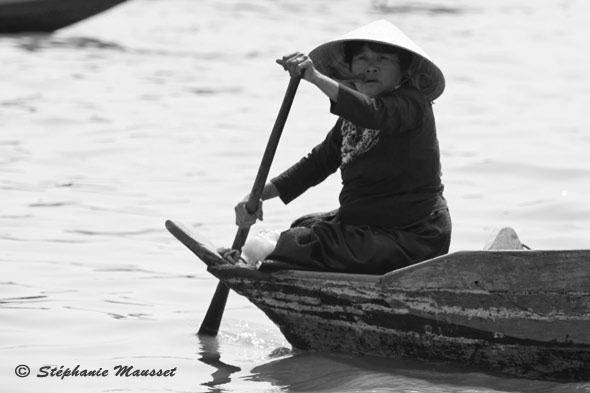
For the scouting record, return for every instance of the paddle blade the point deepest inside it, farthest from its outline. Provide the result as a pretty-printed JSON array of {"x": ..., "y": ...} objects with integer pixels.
[{"x": 212, "y": 320}]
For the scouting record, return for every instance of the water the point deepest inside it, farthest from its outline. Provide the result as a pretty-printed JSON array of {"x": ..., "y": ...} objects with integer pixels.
[{"x": 161, "y": 109}]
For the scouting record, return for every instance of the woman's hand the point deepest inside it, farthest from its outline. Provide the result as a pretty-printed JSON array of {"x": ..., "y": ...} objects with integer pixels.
[
  {"x": 299, "y": 64},
  {"x": 243, "y": 217}
]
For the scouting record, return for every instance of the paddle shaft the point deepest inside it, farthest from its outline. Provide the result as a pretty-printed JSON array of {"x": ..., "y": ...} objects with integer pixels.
[{"x": 210, "y": 325}]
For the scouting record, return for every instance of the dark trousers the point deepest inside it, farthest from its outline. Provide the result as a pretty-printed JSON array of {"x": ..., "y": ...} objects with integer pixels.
[{"x": 322, "y": 242}]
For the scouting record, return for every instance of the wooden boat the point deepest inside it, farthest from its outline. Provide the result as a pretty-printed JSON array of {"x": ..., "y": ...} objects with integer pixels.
[
  {"x": 17, "y": 16},
  {"x": 519, "y": 312}
]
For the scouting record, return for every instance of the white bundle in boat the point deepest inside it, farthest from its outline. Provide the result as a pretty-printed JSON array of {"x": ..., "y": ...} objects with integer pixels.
[{"x": 259, "y": 246}]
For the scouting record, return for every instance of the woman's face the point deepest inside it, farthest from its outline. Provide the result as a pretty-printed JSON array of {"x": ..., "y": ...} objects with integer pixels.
[{"x": 380, "y": 70}]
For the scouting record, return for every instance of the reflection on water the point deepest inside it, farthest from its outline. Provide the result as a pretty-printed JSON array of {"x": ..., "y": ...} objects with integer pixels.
[
  {"x": 405, "y": 7},
  {"x": 307, "y": 372},
  {"x": 210, "y": 355},
  {"x": 37, "y": 42},
  {"x": 23, "y": 302}
]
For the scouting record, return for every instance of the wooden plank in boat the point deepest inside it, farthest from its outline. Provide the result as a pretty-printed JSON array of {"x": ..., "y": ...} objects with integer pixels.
[
  {"x": 509, "y": 271},
  {"x": 199, "y": 245}
]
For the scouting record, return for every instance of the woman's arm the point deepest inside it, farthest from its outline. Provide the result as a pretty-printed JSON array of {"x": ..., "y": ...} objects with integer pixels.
[
  {"x": 323, "y": 160},
  {"x": 297, "y": 64},
  {"x": 398, "y": 111}
]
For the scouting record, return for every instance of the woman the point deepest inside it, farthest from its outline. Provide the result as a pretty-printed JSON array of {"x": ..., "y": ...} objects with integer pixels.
[{"x": 392, "y": 211}]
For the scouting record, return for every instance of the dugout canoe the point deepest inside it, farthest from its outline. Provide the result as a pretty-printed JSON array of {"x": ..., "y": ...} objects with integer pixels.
[
  {"x": 518, "y": 312},
  {"x": 19, "y": 16}
]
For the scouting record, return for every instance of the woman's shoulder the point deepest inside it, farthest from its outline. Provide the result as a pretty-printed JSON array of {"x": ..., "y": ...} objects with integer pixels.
[
  {"x": 407, "y": 91},
  {"x": 409, "y": 95}
]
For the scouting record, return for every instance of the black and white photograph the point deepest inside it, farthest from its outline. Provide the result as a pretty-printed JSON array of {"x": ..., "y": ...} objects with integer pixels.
[{"x": 276, "y": 196}]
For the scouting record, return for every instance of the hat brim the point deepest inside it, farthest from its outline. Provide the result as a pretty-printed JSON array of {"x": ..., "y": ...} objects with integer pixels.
[{"x": 329, "y": 57}]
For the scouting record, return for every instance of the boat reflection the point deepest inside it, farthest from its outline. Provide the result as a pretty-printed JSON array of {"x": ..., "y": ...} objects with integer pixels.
[{"x": 323, "y": 372}]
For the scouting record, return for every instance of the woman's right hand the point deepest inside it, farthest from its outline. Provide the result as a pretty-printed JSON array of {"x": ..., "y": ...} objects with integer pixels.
[
  {"x": 298, "y": 64},
  {"x": 245, "y": 218}
]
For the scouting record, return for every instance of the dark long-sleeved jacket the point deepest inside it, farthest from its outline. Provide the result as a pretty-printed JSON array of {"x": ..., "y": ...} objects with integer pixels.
[{"x": 388, "y": 154}]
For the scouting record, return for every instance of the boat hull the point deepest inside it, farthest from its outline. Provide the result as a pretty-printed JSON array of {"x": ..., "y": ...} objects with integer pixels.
[
  {"x": 538, "y": 334},
  {"x": 17, "y": 16}
]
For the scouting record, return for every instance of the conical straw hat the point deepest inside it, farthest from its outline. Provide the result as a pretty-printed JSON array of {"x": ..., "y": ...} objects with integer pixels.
[{"x": 328, "y": 58}]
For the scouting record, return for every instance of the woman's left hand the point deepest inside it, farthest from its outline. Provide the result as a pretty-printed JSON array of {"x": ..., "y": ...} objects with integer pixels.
[
  {"x": 243, "y": 217},
  {"x": 298, "y": 64}
]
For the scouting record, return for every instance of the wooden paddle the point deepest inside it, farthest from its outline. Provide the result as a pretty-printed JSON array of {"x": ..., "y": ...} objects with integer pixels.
[{"x": 210, "y": 325}]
